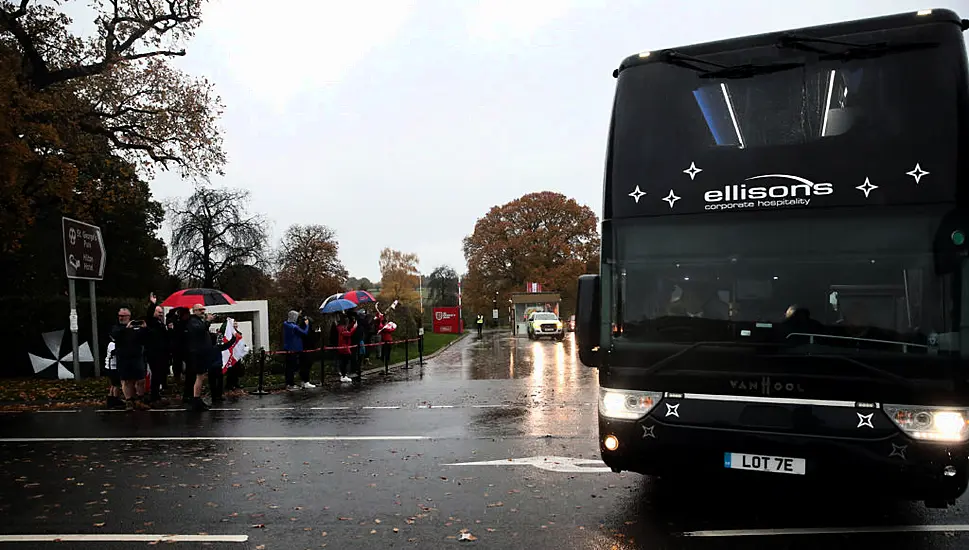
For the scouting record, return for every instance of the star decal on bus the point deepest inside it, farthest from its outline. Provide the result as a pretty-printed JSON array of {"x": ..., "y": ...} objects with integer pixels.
[
  {"x": 637, "y": 194},
  {"x": 671, "y": 198},
  {"x": 917, "y": 173},
  {"x": 898, "y": 450},
  {"x": 865, "y": 420},
  {"x": 867, "y": 187},
  {"x": 673, "y": 410},
  {"x": 648, "y": 432},
  {"x": 692, "y": 171}
]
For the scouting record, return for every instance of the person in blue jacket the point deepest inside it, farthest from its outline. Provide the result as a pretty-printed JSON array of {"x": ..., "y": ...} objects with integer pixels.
[{"x": 293, "y": 334}]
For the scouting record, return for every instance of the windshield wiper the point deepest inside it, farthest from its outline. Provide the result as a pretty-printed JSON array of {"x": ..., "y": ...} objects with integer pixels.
[
  {"x": 811, "y": 336},
  {"x": 744, "y": 70},
  {"x": 850, "y": 50}
]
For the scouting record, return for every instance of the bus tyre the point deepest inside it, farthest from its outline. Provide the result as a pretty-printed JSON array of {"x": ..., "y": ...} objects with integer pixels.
[{"x": 939, "y": 502}]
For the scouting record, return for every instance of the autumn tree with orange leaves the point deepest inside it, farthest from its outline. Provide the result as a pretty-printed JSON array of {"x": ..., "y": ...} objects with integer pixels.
[
  {"x": 126, "y": 89},
  {"x": 84, "y": 121},
  {"x": 541, "y": 237},
  {"x": 309, "y": 266},
  {"x": 399, "y": 276}
]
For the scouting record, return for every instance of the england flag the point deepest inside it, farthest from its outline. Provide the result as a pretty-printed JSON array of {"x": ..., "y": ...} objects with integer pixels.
[{"x": 236, "y": 351}]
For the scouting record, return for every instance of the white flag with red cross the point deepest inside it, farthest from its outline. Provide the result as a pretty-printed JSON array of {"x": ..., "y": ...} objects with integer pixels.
[{"x": 237, "y": 350}]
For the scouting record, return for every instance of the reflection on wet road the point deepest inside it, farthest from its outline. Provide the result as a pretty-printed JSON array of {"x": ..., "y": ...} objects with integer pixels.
[{"x": 492, "y": 443}]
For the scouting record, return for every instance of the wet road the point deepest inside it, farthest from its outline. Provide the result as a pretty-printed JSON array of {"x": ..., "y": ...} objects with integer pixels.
[{"x": 491, "y": 444}]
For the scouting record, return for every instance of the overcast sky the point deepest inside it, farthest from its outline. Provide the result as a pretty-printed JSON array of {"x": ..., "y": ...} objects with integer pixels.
[{"x": 399, "y": 123}]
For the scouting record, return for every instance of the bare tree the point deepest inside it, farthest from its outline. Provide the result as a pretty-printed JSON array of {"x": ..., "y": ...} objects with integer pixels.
[
  {"x": 442, "y": 286},
  {"x": 212, "y": 232}
]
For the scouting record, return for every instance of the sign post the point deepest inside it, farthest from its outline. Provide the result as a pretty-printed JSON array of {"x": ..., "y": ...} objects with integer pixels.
[
  {"x": 83, "y": 259},
  {"x": 94, "y": 331},
  {"x": 460, "y": 310}
]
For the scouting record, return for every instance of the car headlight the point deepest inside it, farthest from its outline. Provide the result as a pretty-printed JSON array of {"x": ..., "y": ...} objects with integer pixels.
[
  {"x": 536, "y": 326},
  {"x": 627, "y": 404},
  {"x": 558, "y": 325},
  {"x": 931, "y": 423}
]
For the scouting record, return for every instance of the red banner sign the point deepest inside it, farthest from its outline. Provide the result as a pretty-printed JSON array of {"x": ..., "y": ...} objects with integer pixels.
[{"x": 447, "y": 320}]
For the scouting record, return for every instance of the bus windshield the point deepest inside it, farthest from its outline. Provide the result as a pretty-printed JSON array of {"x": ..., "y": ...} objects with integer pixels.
[{"x": 868, "y": 282}]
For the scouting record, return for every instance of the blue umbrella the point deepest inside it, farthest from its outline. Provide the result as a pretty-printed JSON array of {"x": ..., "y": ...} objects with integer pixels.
[{"x": 335, "y": 306}]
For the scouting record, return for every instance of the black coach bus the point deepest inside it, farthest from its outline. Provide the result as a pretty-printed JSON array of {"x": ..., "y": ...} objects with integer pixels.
[{"x": 783, "y": 285}]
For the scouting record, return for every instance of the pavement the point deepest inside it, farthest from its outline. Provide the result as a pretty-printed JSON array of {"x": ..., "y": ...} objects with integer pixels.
[{"x": 491, "y": 444}]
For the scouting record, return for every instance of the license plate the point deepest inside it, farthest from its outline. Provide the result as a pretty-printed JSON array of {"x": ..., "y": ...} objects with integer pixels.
[
  {"x": 764, "y": 463},
  {"x": 549, "y": 329}
]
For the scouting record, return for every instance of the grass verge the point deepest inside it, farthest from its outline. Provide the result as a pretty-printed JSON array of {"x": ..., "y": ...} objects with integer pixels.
[{"x": 39, "y": 393}]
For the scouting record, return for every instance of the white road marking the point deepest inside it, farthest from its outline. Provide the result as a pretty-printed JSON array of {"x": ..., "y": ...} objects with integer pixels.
[
  {"x": 60, "y": 411},
  {"x": 274, "y": 409},
  {"x": 329, "y": 408},
  {"x": 550, "y": 463},
  {"x": 218, "y": 409},
  {"x": 216, "y": 438},
  {"x": 829, "y": 531},
  {"x": 99, "y": 537},
  {"x": 383, "y": 408}
]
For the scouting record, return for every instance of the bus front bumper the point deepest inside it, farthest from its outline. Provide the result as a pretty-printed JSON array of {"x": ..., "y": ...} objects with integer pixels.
[{"x": 896, "y": 465}]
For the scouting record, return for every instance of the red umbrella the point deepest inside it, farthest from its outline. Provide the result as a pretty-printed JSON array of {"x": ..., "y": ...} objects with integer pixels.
[
  {"x": 191, "y": 296},
  {"x": 358, "y": 297}
]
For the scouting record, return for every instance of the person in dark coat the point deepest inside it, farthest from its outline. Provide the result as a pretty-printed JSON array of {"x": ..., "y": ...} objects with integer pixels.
[
  {"x": 295, "y": 330},
  {"x": 203, "y": 353},
  {"x": 129, "y": 339},
  {"x": 157, "y": 348},
  {"x": 176, "y": 348}
]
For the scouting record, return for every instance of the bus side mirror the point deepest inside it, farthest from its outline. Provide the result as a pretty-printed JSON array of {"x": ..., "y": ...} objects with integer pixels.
[{"x": 588, "y": 313}]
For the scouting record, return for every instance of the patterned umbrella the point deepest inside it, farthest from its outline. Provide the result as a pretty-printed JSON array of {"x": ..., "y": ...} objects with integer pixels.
[
  {"x": 359, "y": 297},
  {"x": 330, "y": 299},
  {"x": 336, "y": 306},
  {"x": 191, "y": 296}
]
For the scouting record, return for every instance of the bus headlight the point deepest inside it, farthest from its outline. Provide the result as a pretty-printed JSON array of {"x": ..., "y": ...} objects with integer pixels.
[
  {"x": 627, "y": 404},
  {"x": 931, "y": 423}
]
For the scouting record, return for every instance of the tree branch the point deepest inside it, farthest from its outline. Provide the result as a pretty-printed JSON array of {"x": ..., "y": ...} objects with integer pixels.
[{"x": 10, "y": 22}]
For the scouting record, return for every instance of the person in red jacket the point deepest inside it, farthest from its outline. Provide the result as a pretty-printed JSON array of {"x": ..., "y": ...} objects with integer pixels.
[
  {"x": 385, "y": 329},
  {"x": 344, "y": 337}
]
